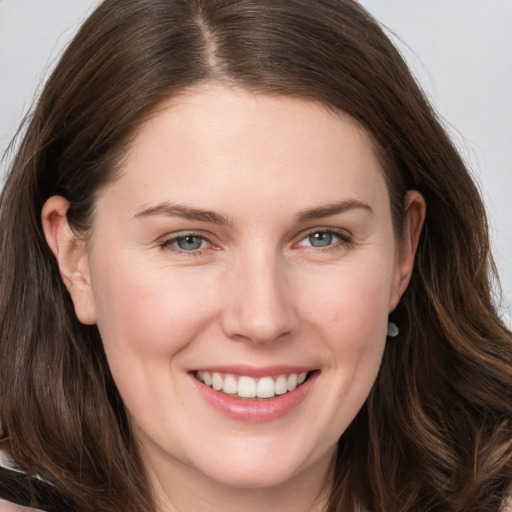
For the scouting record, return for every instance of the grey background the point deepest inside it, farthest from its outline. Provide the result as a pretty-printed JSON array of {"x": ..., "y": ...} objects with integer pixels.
[{"x": 460, "y": 50}]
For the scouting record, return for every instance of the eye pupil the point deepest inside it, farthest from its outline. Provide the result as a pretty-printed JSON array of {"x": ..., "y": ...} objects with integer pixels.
[
  {"x": 320, "y": 239},
  {"x": 189, "y": 243}
]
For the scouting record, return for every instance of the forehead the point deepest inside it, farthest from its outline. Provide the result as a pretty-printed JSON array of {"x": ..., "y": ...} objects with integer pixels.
[{"x": 216, "y": 145}]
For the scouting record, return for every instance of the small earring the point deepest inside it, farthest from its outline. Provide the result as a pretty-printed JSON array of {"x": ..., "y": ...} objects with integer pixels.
[{"x": 393, "y": 330}]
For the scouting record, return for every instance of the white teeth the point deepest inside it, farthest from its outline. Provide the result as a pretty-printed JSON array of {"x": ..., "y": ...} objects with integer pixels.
[
  {"x": 291, "y": 383},
  {"x": 280, "y": 386},
  {"x": 247, "y": 387},
  {"x": 265, "y": 388},
  {"x": 230, "y": 385},
  {"x": 217, "y": 381}
]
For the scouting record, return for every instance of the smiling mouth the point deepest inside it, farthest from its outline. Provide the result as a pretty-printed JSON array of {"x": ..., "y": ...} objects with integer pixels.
[{"x": 243, "y": 386}]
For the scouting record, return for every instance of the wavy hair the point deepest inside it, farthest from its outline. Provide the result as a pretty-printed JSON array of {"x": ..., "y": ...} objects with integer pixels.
[{"x": 436, "y": 431}]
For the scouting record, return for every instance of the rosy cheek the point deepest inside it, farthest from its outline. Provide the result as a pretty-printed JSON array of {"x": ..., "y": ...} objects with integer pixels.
[
  {"x": 349, "y": 294},
  {"x": 155, "y": 312}
]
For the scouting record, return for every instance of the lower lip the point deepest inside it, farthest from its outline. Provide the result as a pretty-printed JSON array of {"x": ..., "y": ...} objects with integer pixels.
[{"x": 256, "y": 411}]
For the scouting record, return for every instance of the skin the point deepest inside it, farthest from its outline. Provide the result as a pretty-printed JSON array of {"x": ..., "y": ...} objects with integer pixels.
[
  {"x": 10, "y": 507},
  {"x": 257, "y": 292}
]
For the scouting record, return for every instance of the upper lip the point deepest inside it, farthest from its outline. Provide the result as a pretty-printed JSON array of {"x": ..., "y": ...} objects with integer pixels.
[{"x": 253, "y": 371}]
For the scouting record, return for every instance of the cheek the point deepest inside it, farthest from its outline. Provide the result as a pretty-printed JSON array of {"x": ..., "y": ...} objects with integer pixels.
[
  {"x": 152, "y": 312},
  {"x": 355, "y": 299},
  {"x": 348, "y": 310},
  {"x": 146, "y": 318}
]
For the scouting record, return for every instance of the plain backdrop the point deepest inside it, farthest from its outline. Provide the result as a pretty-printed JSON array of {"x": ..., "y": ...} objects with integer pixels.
[{"x": 460, "y": 51}]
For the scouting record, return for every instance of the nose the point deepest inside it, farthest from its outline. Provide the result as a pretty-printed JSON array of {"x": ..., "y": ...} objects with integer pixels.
[{"x": 259, "y": 308}]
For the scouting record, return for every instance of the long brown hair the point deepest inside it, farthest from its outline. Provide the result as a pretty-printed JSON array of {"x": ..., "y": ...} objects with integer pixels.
[{"x": 435, "y": 433}]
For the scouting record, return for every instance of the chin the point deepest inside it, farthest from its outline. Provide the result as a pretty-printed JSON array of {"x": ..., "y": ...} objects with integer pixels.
[
  {"x": 263, "y": 468},
  {"x": 252, "y": 478}
]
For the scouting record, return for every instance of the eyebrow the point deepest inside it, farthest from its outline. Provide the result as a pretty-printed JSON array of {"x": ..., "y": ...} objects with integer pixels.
[
  {"x": 332, "y": 209},
  {"x": 184, "y": 212}
]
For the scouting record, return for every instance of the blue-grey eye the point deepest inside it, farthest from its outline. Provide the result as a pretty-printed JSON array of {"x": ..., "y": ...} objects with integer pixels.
[
  {"x": 189, "y": 242},
  {"x": 321, "y": 239}
]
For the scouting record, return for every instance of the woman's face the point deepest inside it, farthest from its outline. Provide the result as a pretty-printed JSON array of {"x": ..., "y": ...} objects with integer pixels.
[{"x": 248, "y": 241}]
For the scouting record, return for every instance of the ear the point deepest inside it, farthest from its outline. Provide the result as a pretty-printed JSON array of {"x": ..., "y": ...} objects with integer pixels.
[
  {"x": 415, "y": 209},
  {"x": 71, "y": 254}
]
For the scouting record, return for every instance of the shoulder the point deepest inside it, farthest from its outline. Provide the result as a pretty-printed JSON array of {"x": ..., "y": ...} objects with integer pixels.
[{"x": 7, "y": 506}]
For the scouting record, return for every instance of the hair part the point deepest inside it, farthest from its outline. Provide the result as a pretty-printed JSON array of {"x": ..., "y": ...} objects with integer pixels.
[{"x": 434, "y": 433}]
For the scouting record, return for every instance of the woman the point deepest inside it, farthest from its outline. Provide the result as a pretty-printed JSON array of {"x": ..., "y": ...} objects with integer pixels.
[{"x": 258, "y": 275}]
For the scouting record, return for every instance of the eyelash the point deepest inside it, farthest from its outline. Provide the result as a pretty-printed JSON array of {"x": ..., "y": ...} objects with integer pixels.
[
  {"x": 345, "y": 240},
  {"x": 168, "y": 244}
]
